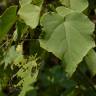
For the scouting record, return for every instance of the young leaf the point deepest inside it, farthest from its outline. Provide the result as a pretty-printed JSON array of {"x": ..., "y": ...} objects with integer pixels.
[
  {"x": 30, "y": 14},
  {"x": 91, "y": 61},
  {"x": 68, "y": 38},
  {"x": 77, "y": 5},
  {"x": 7, "y": 19}
]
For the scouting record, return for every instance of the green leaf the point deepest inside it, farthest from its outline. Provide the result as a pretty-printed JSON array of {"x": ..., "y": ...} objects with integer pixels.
[
  {"x": 7, "y": 19},
  {"x": 77, "y": 5},
  {"x": 91, "y": 61},
  {"x": 24, "y": 2},
  {"x": 65, "y": 2},
  {"x": 30, "y": 14},
  {"x": 21, "y": 29},
  {"x": 68, "y": 38},
  {"x": 37, "y": 2},
  {"x": 63, "y": 11}
]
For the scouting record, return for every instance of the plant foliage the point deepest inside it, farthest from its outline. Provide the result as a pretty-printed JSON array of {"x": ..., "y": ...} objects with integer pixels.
[{"x": 47, "y": 48}]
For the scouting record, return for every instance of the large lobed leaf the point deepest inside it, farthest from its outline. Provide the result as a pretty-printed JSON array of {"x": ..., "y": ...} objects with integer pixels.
[{"x": 69, "y": 37}]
